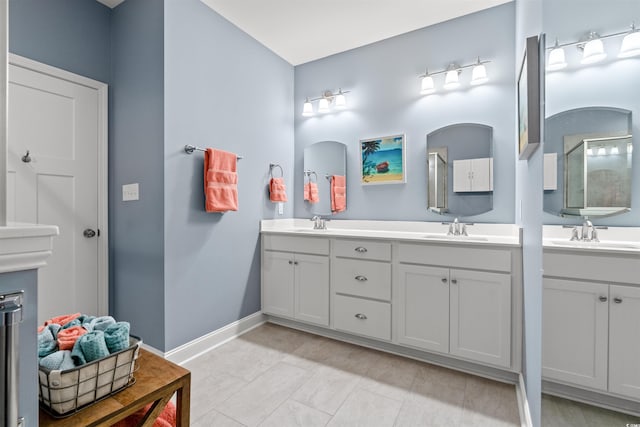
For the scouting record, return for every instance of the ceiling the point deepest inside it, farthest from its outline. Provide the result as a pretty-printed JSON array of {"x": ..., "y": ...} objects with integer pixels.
[{"x": 305, "y": 30}]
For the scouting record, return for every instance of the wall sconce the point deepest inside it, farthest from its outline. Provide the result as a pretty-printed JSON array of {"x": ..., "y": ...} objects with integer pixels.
[
  {"x": 325, "y": 101},
  {"x": 593, "y": 49},
  {"x": 452, "y": 76}
]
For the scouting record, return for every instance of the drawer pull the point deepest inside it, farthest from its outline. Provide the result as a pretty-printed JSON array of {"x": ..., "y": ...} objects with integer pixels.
[
  {"x": 290, "y": 262},
  {"x": 617, "y": 300},
  {"x": 603, "y": 298},
  {"x": 454, "y": 281},
  {"x": 361, "y": 316},
  {"x": 361, "y": 278},
  {"x": 444, "y": 280},
  {"x": 360, "y": 249}
]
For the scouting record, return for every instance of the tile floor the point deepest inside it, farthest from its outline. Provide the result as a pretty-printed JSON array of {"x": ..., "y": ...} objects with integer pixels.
[
  {"x": 557, "y": 412},
  {"x": 279, "y": 377}
]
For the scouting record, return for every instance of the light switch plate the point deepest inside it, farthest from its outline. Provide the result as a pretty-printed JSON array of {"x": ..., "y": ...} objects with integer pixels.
[
  {"x": 280, "y": 208},
  {"x": 130, "y": 192}
]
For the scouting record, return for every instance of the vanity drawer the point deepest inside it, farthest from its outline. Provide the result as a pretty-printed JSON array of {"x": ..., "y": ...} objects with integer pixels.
[
  {"x": 362, "y": 249},
  {"x": 449, "y": 256},
  {"x": 371, "y": 279},
  {"x": 362, "y": 317},
  {"x": 308, "y": 245}
]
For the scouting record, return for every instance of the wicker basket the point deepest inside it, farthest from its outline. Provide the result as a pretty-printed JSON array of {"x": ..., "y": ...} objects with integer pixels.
[{"x": 62, "y": 393}]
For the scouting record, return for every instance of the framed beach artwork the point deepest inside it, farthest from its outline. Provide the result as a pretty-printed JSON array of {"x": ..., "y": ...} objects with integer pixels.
[
  {"x": 529, "y": 100},
  {"x": 382, "y": 160}
]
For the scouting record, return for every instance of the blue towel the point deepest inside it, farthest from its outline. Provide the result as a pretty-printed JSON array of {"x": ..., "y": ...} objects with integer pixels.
[
  {"x": 89, "y": 347},
  {"x": 117, "y": 336},
  {"x": 85, "y": 321},
  {"x": 47, "y": 344},
  {"x": 60, "y": 360},
  {"x": 101, "y": 323}
]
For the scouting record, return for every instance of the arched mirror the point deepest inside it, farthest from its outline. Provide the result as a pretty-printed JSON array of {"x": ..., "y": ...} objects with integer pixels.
[
  {"x": 587, "y": 162},
  {"x": 460, "y": 165},
  {"x": 322, "y": 161}
]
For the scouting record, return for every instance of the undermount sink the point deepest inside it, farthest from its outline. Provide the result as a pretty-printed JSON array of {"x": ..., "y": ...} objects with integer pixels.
[
  {"x": 462, "y": 238},
  {"x": 595, "y": 245}
]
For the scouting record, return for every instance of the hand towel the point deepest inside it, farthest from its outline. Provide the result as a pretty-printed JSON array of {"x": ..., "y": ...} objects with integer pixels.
[
  {"x": 46, "y": 343},
  {"x": 116, "y": 336},
  {"x": 74, "y": 322},
  {"x": 167, "y": 417},
  {"x": 62, "y": 320},
  {"x": 307, "y": 189},
  {"x": 60, "y": 360},
  {"x": 220, "y": 181},
  {"x": 100, "y": 323},
  {"x": 338, "y": 193},
  {"x": 313, "y": 193},
  {"x": 68, "y": 337},
  {"x": 89, "y": 347},
  {"x": 277, "y": 190}
]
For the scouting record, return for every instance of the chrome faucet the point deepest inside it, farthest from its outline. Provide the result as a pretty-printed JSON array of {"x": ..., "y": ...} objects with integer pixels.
[
  {"x": 587, "y": 233},
  {"x": 319, "y": 223},
  {"x": 586, "y": 226}
]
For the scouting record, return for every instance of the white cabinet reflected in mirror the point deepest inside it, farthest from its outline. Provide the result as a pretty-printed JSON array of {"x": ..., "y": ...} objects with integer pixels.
[
  {"x": 322, "y": 161},
  {"x": 589, "y": 152},
  {"x": 460, "y": 165}
]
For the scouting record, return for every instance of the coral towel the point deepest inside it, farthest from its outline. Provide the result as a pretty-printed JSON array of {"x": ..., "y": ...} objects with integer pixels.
[
  {"x": 62, "y": 320},
  {"x": 68, "y": 337},
  {"x": 338, "y": 193},
  {"x": 220, "y": 181},
  {"x": 167, "y": 417},
  {"x": 277, "y": 190},
  {"x": 311, "y": 192}
]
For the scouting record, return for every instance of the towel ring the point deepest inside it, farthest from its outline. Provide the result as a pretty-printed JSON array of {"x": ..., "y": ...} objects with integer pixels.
[
  {"x": 308, "y": 173},
  {"x": 272, "y": 166},
  {"x": 328, "y": 177}
]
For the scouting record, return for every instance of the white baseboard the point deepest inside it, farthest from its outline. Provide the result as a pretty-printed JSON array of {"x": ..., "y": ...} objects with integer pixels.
[
  {"x": 195, "y": 348},
  {"x": 523, "y": 403}
]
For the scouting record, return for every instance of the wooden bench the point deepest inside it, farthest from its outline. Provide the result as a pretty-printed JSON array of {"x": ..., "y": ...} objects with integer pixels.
[{"x": 157, "y": 380}]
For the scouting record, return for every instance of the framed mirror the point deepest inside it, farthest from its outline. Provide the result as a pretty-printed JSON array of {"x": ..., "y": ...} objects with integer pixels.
[
  {"x": 323, "y": 160},
  {"x": 587, "y": 162},
  {"x": 460, "y": 165}
]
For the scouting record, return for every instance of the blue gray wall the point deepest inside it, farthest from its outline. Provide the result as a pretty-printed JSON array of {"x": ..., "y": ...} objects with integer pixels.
[
  {"x": 26, "y": 281},
  {"x": 528, "y": 201},
  {"x": 70, "y": 34},
  {"x": 385, "y": 100},
  {"x": 612, "y": 83},
  {"x": 222, "y": 90},
  {"x": 136, "y": 154}
]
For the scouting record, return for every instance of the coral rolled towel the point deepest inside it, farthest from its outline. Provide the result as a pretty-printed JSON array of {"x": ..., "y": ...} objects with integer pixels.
[
  {"x": 62, "y": 320},
  {"x": 68, "y": 337},
  {"x": 220, "y": 181},
  {"x": 338, "y": 193},
  {"x": 167, "y": 417},
  {"x": 117, "y": 336},
  {"x": 277, "y": 190}
]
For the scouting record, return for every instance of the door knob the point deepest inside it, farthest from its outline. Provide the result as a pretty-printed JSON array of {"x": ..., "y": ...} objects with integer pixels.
[{"x": 89, "y": 233}]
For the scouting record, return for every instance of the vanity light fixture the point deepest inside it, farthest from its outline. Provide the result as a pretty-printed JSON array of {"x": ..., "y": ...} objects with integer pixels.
[
  {"x": 629, "y": 148},
  {"x": 556, "y": 58},
  {"x": 614, "y": 150},
  {"x": 325, "y": 101},
  {"x": 593, "y": 50},
  {"x": 589, "y": 151},
  {"x": 452, "y": 76},
  {"x": 602, "y": 151},
  {"x": 630, "y": 43}
]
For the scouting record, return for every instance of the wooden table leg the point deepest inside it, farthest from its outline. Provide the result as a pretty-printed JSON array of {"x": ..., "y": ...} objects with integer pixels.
[{"x": 183, "y": 403}]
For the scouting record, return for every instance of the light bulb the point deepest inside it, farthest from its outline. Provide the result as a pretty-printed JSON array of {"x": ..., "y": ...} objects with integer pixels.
[
  {"x": 629, "y": 147},
  {"x": 307, "y": 109},
  {"x": 556, "y": 58},
  {"x": 427, "y": 85},
  {"x": 630, "y": 44},
  {"x": 479, "y": 74},
  {"x": 602, "y": 151},
  {"x": 341, "y": 100},
  {"x": 614, "y": 150},
  {"x": 451, "y": 79},
  {"x": 593, "y": 50},
  {"x": 323, "y": 105},
  {"x": 589, "y": 151}
]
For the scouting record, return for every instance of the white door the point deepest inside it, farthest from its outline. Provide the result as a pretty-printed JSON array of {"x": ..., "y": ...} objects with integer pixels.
[
  {"x": 574, "y": 332},
  {"x": 423, "y": 307},
  {"x": 312, "y": 288},
  {"x": 277, "y": 283},
  {"x": 461, "y": 175},
  {"x": 481, "y": 316},
  {"x": 481, "y": 174},
  {"x": 58, "y": 122},
  {"x": 624, "y": 340}
]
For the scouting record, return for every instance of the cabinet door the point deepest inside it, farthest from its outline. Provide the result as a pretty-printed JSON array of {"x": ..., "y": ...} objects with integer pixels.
[
  {"x": 277, "y": 283},
  {"x": 624, "y": 341},
  {"x": 481, "y": 316},
  {"x": 312, "y": 289},
  {"x": 423, "y": 307},
  {"x": 481, "y": 174},
  {"x": 574, "y": 332},
  {"x": 461, "y": 175}
]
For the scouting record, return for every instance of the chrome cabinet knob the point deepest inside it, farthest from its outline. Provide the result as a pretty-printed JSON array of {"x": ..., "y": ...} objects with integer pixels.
[
  {"x": 603, "y": 298},
  {"x": 444, "y": 280},
  {"x": 89, "y": 233},
  {"x": 361, "y": 278},
  {"x": 361, "y": 316},
  {"x": 617, "y": 300},
  {"x": 454, "y": 281},
  {"x": 360, "y": 249}
]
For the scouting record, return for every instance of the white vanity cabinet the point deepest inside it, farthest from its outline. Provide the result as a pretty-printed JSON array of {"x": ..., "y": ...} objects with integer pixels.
[
  {"x": 460, "y": 311},
  {"x": 591, "y": 321},
  {"x": 473, "y": 175},
  {"x": 295, "y": 278},
  {"x": 361, "y": 287}
]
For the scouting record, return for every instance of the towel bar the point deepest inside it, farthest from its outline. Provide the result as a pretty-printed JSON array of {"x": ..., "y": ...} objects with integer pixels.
[{"x": 189, "y": 149}]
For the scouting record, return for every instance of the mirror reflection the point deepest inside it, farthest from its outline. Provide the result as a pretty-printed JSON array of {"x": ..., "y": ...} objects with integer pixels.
[
  {"x": 460, "y": 165},
  {"x": 325, "y": 171},
  {"x": 588, "y": 157}
]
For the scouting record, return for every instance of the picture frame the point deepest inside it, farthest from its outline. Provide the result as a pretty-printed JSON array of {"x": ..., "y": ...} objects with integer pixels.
[
  {"x": 529, "y": 100},
  {"x": 382, "y": 160}
]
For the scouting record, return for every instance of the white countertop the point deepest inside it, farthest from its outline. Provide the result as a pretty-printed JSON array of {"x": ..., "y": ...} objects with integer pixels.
[
  {"x": 479, "y": 234},
  {"x": 611, "y": 240},
  {"x": 25, "y": 246}
]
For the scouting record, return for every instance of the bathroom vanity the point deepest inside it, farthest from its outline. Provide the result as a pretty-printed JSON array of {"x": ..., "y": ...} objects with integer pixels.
[{"x": 403, "y": 287}]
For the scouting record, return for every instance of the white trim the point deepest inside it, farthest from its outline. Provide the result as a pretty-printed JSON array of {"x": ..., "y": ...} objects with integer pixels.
[
  {"x": 523, "y": 403},
  {"x": 103, "y": 166},
  {"x": 4, "y": 72},
  {"x": 195, "y": 348},
  {"x": 25, "y": 247}
]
